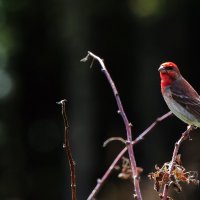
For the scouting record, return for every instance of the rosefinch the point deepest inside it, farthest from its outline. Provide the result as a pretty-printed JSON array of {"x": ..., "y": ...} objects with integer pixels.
[{"x": 181, "y": 98}]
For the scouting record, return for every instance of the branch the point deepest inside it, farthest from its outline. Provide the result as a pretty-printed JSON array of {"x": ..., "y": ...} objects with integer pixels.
[
  {"x": 184, "y": 136},
  {"x": 101, "y": 181},
  {"x": 66, "y": 147},
  {"x": 126, "y": 123}
]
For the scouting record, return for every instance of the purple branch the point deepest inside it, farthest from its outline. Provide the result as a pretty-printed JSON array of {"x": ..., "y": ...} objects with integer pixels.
[
  {"x": 173, "y": 161},
  {"x": 159, "y": 119},
  {"x": 126, "y": 123}
]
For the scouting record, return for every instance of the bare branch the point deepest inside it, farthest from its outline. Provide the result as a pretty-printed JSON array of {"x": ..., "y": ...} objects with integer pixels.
[
  {"x": 66, "y": 147},
  {"x": 126, "y": 123},
  {"x": 101, "y": 181},
  {"x": 184, "y": 136},
  {"x": 159, "y": 119}
]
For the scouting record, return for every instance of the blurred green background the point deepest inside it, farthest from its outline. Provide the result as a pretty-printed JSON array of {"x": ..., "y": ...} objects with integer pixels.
[{"x": 41, "y": 44}]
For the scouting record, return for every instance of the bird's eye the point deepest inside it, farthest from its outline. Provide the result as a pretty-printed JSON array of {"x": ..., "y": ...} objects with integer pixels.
[{"x": 169, "y": 68}]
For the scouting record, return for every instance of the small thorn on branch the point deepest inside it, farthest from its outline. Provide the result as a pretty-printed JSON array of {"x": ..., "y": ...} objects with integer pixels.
[
  {"x": 61, "y": 102},
  {"x": 98, "y": 180},
  {"x": 85, "y": 59},
  {"x": 128, "y": 142},
  {"x": 92, "y": 63},
  {"x": 130, "y": 124}
]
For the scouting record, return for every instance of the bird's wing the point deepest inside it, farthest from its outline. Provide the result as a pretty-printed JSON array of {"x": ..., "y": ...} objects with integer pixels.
[{"x": 187, "y": 97}]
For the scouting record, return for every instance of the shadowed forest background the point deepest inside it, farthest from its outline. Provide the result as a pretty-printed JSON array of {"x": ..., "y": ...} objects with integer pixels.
[{"x": 41, "y": 44}]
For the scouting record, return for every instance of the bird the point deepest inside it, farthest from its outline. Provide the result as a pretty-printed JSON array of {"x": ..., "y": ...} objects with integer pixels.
[{"x": 180, "y": 97}]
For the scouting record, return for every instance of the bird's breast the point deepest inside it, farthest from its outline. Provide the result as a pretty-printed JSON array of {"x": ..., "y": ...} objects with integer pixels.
[{"x": 178, "y": 110}]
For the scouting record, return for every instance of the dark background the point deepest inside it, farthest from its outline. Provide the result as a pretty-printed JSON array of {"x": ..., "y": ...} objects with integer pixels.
[{"x": 41, "y": 44}]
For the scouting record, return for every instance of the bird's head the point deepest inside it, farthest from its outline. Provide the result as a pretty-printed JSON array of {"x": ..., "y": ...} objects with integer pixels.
[{"x": 169, "y": 72}]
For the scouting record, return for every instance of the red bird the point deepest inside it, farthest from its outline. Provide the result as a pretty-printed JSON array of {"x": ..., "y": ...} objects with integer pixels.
[{"x": 180, "y": 96}]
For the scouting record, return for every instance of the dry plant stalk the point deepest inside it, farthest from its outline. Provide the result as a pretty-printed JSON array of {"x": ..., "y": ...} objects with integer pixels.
[
  {"x": 173, "y": 173},
  {"x": 172, "y": 165},
  {"x": 66, "y": 147}
]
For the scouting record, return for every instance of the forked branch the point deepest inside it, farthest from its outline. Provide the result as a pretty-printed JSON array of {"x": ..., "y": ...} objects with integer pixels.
[{"x": 101, "y": 181}]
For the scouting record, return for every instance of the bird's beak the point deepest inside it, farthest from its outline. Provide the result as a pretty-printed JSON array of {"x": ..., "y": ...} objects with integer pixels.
[{"x": 161, "y": 69}]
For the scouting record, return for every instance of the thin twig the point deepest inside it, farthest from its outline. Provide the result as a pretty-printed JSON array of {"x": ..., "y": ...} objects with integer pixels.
[
  {"x": 159, "y": 119},
  {"x": 101, "y": 181},
  {"x": 126, "y": 123},
  {"x": 114, "y": 139},
  {"x": 66, "y": 147},
  {"x": 184, "y": 136}
]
